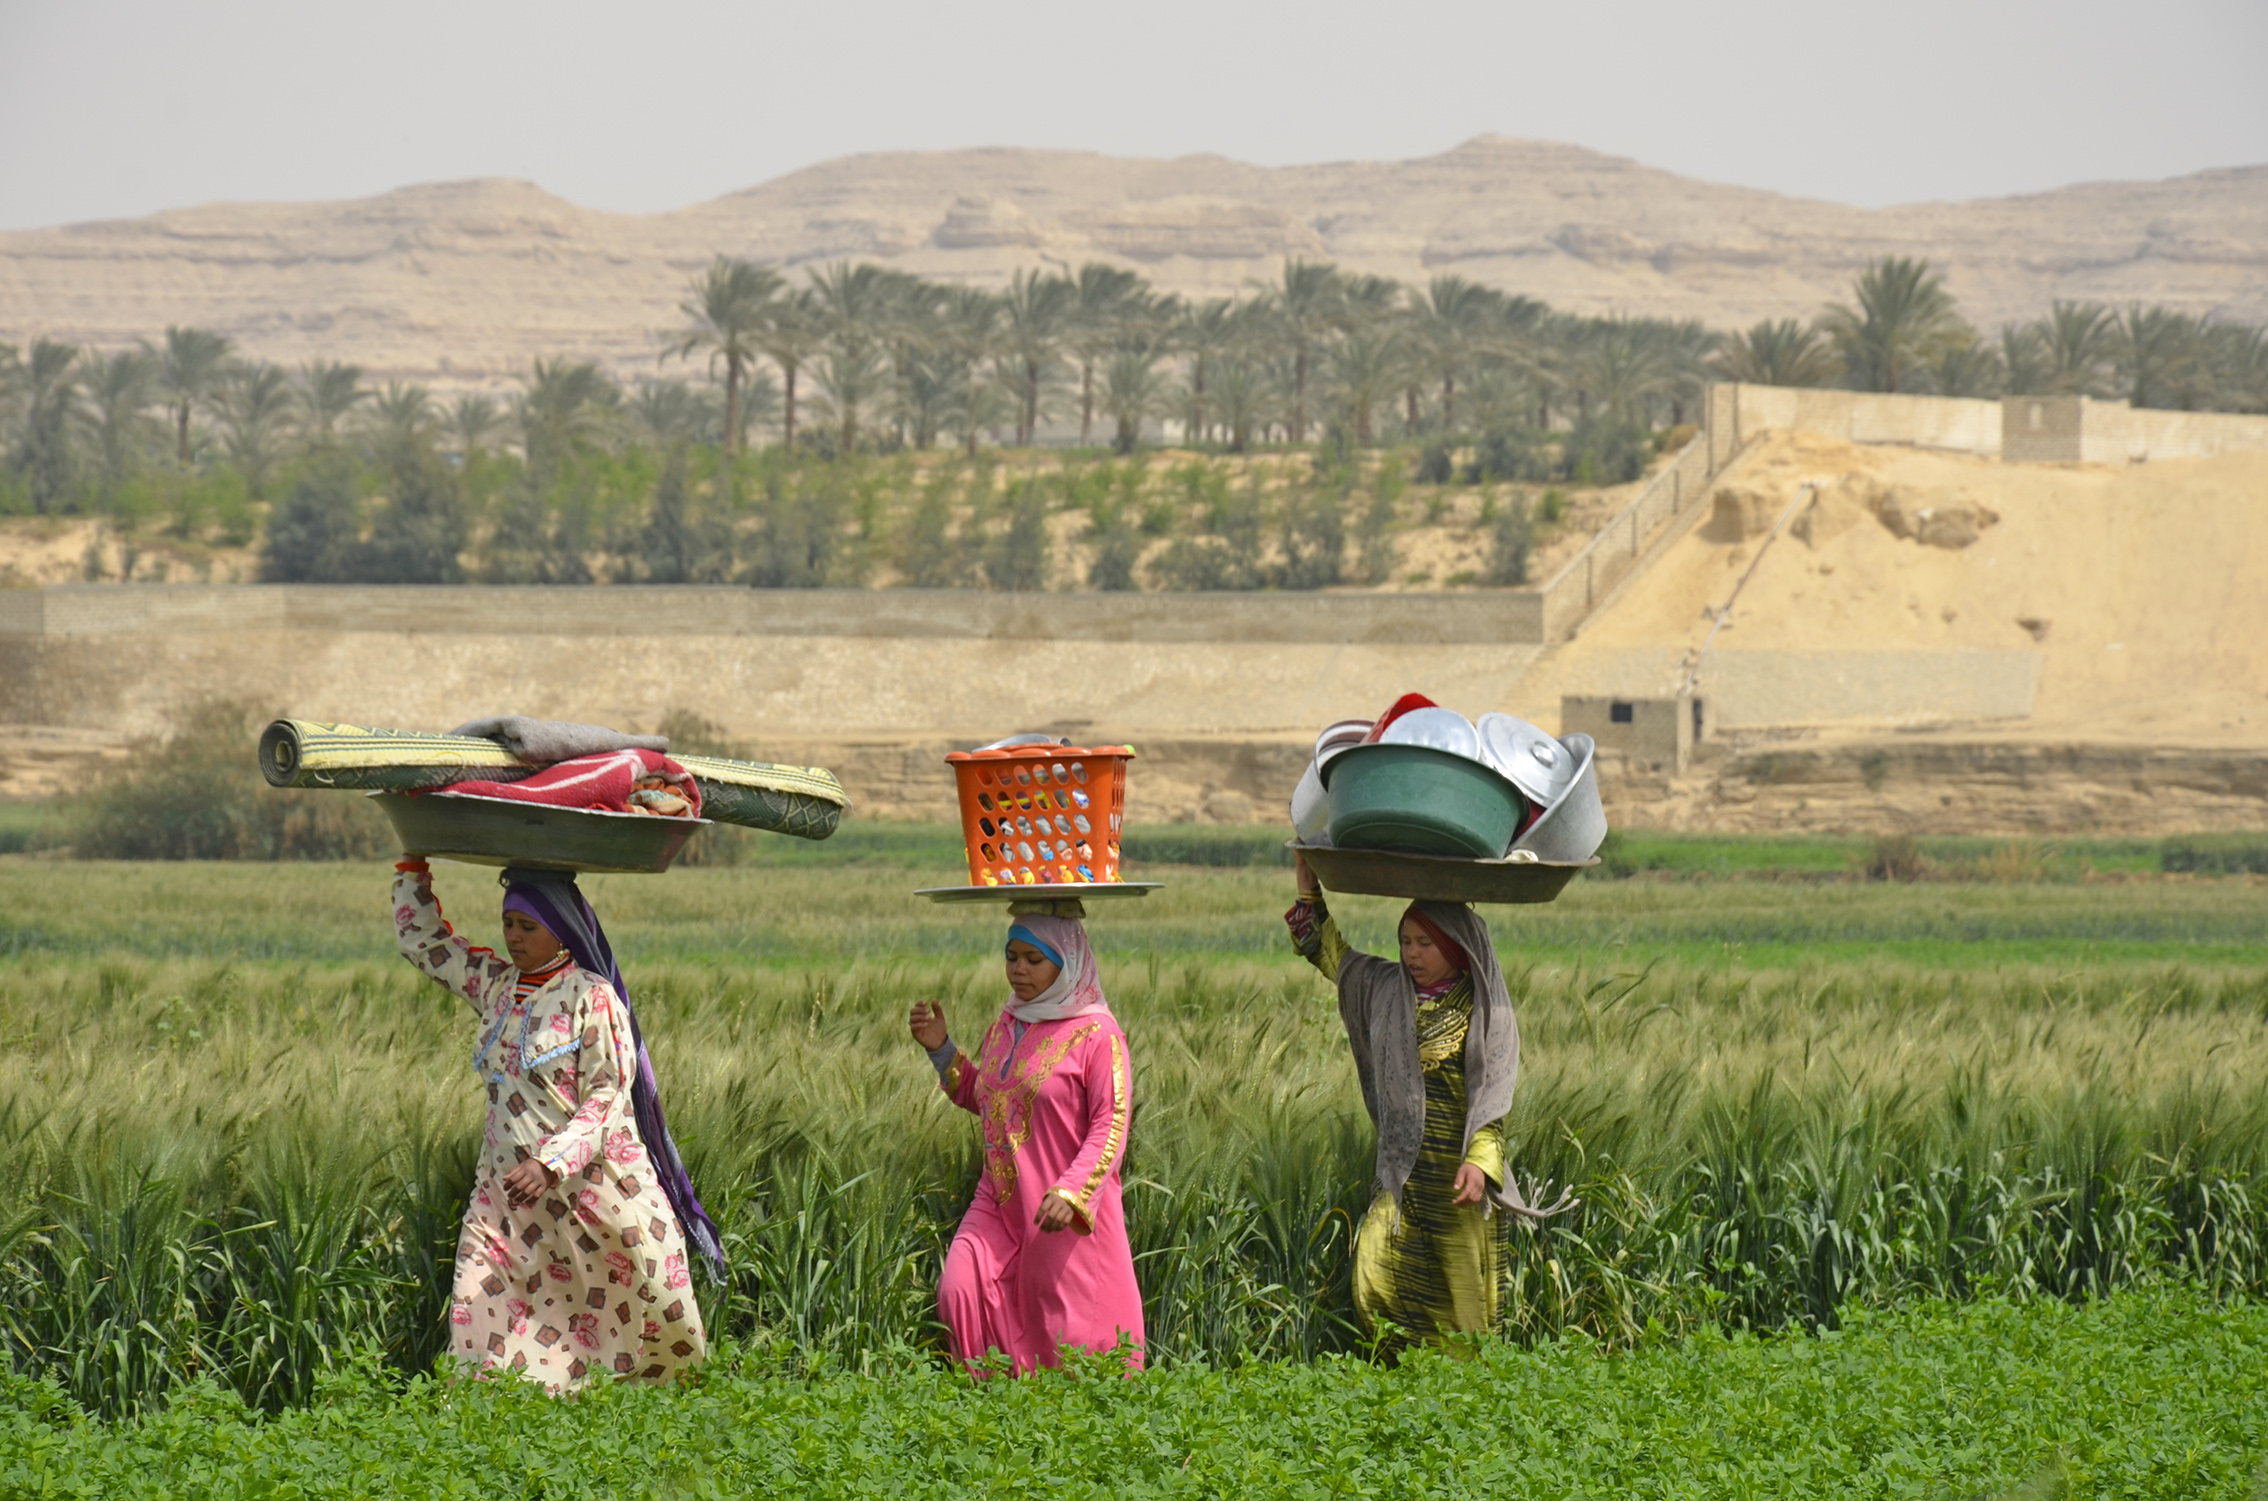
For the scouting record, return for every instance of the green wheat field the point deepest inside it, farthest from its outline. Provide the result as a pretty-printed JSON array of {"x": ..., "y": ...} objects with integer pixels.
[{"x": 1950, "y": 1188}]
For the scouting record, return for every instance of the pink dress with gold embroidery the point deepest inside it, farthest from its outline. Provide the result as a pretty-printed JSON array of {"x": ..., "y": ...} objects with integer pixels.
[{"x": 1055, "y": 1105}]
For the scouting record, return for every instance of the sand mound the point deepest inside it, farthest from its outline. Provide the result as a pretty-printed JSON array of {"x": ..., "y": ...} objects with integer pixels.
[{"x": 2139, "y": 587}]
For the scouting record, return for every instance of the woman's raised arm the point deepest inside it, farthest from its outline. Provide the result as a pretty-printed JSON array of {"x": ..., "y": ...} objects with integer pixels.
[{"x": 427, "y": 941}]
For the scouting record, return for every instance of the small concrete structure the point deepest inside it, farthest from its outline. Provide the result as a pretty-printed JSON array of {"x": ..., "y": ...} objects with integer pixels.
[{"x": 1655, "y": 733}]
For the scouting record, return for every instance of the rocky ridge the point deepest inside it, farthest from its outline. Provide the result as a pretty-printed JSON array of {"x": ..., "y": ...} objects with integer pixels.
[{"x": 464, "y": 283}]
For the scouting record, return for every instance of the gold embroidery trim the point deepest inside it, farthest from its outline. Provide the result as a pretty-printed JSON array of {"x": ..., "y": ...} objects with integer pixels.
[
  {"x": 1117, "y": 1132},
  {"x": 1086, "y": 1221}
]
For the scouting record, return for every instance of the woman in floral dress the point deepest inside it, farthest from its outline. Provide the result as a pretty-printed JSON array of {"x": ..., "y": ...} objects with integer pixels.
[
  {"x": 572, "y": 1263},
  {"x": 1041, "y": 1260}
]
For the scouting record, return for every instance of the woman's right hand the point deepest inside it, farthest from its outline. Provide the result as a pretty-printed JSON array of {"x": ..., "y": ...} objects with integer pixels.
[
  {"x": 1309, "y": 887},
  {"x": 927, "y": 1023}
]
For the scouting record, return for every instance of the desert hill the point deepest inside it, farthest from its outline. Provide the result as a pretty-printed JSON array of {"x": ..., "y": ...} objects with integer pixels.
[{"x": 466, "y": 282}]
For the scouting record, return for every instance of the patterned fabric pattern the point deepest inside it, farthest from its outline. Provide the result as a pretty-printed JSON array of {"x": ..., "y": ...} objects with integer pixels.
[
  {"x": 1055, "y": 1099},
  {"x": 591, "y": 1280},
  {"x": 805, "y": 801},
  {"x": 1429, "y": 1266}
]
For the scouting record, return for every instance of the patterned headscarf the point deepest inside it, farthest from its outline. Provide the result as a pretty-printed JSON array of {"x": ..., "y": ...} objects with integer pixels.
[
  {"x": 552, "y": 898},
  {"x": 1077, "y": 990}
]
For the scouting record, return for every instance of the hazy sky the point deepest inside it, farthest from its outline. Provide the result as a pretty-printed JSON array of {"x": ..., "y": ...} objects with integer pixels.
[{"x": 120, "y": 107}]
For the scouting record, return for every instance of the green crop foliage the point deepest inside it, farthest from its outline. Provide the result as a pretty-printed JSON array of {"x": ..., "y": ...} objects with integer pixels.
[
  {"x": 2155, "y": 1395},
  {"x": 241, "y": 1131}
]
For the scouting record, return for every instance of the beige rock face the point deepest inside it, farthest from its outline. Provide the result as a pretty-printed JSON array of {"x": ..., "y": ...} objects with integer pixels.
[{"x": 465, "y": 283}]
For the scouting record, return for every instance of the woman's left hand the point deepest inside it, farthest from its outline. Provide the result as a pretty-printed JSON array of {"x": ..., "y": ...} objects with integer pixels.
[
  {"x": 528, "y": 1182},
  {"x": 1055, "y": 1213},
  {"x": 1471, "y": 1184}
]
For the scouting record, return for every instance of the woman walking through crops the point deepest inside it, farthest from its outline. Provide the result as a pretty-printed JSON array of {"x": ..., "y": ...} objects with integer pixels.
[
  {"x": 1041, "y": 1260},
  {"x": 572, "y": 1262},
  {"x": 1437, "y": 1050}
]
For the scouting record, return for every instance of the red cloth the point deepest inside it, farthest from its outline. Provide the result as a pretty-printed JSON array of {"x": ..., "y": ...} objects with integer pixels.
[
  {"x": 602, "y": 782},
  {"x": 1441, "y": 940}
]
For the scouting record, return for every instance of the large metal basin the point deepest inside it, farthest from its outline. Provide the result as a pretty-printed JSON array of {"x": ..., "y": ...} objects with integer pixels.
[
  {"x": 1573, "y": 828},
  {"x": 1437, "y": 878},
  {"x": 499, "y": 831}
]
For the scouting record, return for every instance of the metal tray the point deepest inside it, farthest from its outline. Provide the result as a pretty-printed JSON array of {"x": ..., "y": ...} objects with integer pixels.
[
  {"x": 1436, "y": 878},
  {"x": 1057, "y": 892},
  {"x": 498, "y": 831}
]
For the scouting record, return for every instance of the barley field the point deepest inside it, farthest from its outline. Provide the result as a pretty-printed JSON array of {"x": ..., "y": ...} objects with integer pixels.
[{"x": 241, "y": 1130}]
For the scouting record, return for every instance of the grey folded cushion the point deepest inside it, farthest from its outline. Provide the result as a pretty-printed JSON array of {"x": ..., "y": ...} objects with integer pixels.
[{"x": 543, "y": 742}]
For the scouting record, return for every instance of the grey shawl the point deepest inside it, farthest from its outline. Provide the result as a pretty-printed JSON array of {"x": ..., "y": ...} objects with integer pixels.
[
  {"x": 1378, "y": 1003},
  {"x": 546, "y": 742}
]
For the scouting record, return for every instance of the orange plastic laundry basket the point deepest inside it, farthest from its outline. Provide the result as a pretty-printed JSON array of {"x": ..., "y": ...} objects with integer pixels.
[{"x": 1042, "y": 815}]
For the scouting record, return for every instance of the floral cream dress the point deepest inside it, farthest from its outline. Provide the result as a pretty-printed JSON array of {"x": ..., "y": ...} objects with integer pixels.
[{"x": 590, "y": 1280}]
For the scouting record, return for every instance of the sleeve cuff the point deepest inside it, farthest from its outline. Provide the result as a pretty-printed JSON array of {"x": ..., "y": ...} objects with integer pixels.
[{"x": 1084, "y": 1222}]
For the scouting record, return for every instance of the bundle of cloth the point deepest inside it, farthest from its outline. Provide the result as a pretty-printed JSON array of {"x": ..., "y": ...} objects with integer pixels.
[
  {"x": 487, "y": 756},
  {"x": 623, "y": 781}
]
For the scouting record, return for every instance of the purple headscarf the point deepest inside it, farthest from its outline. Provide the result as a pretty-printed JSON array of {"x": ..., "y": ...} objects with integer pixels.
[{"x": 552, "y": 898}]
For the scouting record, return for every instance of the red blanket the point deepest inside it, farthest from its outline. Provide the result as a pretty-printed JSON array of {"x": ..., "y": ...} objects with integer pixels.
[{"x": 605, "y": 782}]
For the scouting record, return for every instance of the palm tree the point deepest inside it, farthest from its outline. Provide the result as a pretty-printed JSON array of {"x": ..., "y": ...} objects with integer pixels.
[
  {"x": 1622, "y": 366},
  {"x": 566, "y": 408},
  {"x": 2237, "y": 357},
  {"x": 1904, "y": 318},
  {"x": 1305, "y": 308},
  {"x": 1102, "y": 299},
  {"x": 667, "y": 413},
  {"x": 2024, "y": 364},
  {"x": 1134, "y": 389},
  {"x": 471, "y": 419},
  {"x": 255, "y": 407},
  {"x": 402, "y": 416},
  {"x": 1365, "y": 367},
  {"x": 855, "y": 305},
  {"x": 1453, "y": 318},
  {"x": 791, "y": 336},
  {"x": 54, "y": 416},
  {"x": 192, "y": 368},
  {"x": 1037, "y": 314},
  {"x": 1245, "y": 395},
  {"x": 2079, "y": 340},
  {"x": 2157, "y": 351},
  {"x": 1202, "y": 335},
  {"x": 726, "y": 310},
  {"x": 1777, "y": 353},
  {"x": 119, "y": 391},
  {"x": 327, "y": 391},
  {"x": 1973, "y": 369}
]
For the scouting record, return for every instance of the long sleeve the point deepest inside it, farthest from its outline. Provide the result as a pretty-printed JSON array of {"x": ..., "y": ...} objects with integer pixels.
[
  {"x": 1110, "y": 1102},
  {"x": 604, "y": 1061},
  {"x": 1487, "y": 1152},
  {"x": 427, "y": 941},
  {"x": 959, "y": 1082},
  {"x": 1316, "y": 937}
]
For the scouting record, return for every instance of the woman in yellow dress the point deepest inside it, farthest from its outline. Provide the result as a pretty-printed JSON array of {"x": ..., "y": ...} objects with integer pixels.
[{"x": 1437, "y": 1049}]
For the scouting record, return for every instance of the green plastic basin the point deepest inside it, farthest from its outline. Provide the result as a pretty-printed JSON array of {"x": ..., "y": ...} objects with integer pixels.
[{"x": 1426, "y": 801}]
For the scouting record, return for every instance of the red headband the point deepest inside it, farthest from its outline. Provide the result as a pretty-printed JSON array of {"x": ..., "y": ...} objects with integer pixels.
[{"x": 1441, "y": 940}]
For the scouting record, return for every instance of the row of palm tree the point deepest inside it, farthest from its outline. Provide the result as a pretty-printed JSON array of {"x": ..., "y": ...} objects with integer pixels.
[
  {"x": 880, "y": 355},
  {"x": 857, "y": 355},
  {"x": 1903, "y": 332}
]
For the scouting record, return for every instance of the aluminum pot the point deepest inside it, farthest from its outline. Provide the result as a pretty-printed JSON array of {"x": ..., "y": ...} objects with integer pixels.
[
  {"x": 1538, "y": 765},
  {"x": 1311, "y": 808},
  {"x": 1572, "y": 829}
]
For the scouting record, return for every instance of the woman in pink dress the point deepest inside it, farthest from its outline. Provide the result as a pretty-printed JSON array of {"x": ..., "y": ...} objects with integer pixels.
[{"x": 1041, "y": 1260}]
